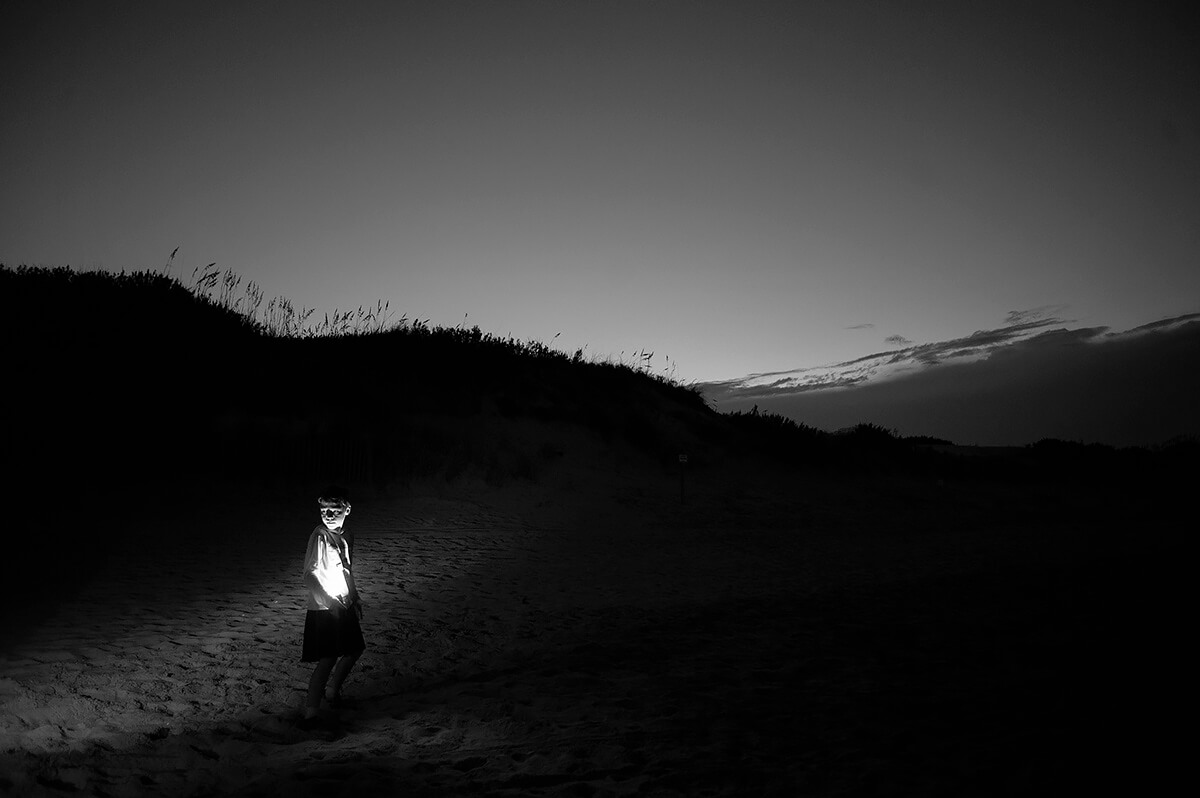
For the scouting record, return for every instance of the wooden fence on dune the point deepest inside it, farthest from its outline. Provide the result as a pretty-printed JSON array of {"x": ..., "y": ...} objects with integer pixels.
[{"x": 329, "y": 458}]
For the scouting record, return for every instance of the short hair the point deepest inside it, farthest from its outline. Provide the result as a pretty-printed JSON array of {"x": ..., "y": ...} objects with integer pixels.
[{"x": 335, "y": 494}]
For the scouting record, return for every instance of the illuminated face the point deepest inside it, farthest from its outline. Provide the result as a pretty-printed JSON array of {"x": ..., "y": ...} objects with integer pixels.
[{"x": 333, "y": 514}]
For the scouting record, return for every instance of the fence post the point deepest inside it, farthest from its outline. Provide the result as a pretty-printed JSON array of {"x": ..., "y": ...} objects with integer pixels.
[{"x": 682, "y": 468}]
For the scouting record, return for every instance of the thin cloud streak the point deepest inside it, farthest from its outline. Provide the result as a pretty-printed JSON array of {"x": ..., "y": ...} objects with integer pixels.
[
  {"x": 1033, "y": 314},
  {"x": 1161, "y": 324},
  {"x": 1031, "y": 379},
  {"x": 877, "y": 365}
]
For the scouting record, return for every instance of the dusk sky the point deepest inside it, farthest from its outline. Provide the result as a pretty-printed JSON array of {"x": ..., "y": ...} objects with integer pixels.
[{"x": 892, "y": 212}]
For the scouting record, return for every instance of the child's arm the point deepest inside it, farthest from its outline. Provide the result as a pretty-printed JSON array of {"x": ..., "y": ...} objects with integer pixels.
[
  {"x": 352, "y": 599},
  {"x": 314, "y": 584},
  {"x": 312, "y": 579}
]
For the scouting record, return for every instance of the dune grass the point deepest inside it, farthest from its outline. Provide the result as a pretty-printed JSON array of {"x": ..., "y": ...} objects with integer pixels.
[
  {"x": 205, "y": 380},
  {"x": 145, "y": 364}
]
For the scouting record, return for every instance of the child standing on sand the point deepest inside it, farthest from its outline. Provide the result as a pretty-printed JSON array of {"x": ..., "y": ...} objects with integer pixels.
[{"x": 332, "y": 636}]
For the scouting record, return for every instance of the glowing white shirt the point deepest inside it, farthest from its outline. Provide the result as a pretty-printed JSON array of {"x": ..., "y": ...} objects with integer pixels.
[{"x": 328, "y": 561}]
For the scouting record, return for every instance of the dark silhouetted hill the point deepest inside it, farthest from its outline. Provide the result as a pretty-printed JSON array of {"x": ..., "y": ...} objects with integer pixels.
[{"x": 124, "y": 381}]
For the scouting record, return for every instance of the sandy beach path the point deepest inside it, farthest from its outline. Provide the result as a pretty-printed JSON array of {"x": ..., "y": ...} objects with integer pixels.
[{"x": 511, "y": 658}]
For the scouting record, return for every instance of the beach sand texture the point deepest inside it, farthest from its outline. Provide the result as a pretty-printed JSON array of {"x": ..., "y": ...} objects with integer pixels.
[{"x": 514, "y": 652}]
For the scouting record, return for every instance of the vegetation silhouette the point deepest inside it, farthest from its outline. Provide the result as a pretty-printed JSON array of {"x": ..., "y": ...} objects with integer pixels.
[{"x": 139, "y": 377}]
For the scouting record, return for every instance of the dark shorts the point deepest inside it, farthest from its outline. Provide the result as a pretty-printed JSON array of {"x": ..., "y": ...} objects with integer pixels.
[{"x": 331, "y": 634}]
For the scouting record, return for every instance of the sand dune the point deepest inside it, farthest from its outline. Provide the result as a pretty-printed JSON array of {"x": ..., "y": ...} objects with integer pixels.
[{"x": 522, "y": 652}]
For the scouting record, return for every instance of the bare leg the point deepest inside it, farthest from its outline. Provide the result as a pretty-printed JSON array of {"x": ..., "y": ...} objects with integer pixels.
[
  {"x": 316, "y": 686},
  {"x": 340, "y": 673}
]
